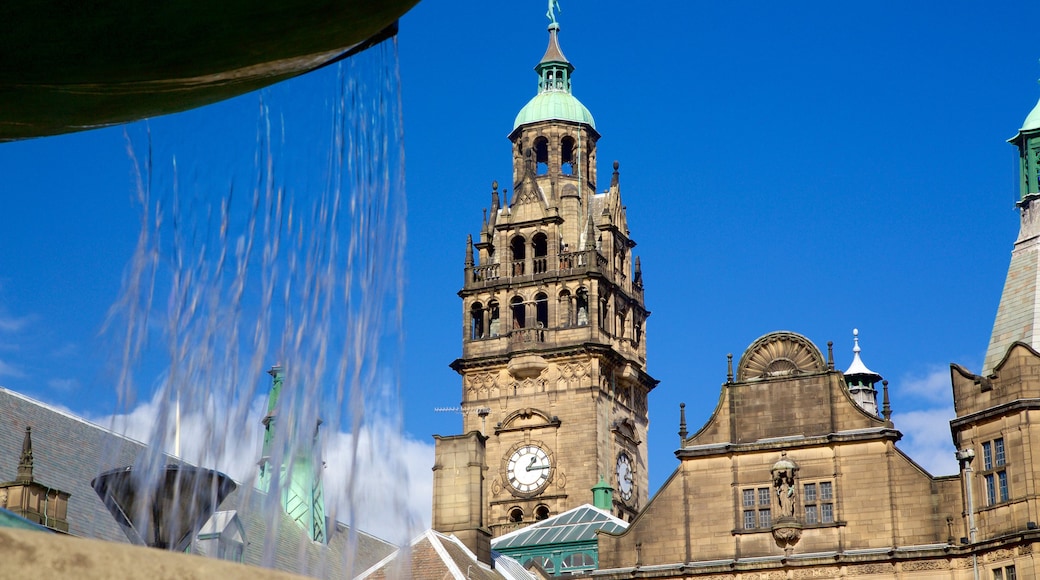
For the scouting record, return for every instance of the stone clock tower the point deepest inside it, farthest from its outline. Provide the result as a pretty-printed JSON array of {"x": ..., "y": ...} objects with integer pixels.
[{"x": 553, "y": 366}]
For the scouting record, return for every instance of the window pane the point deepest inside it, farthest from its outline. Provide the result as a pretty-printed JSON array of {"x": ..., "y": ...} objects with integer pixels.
[
  {"x": 827, "y": 513},
  {"x": 991, "y": 492},
  {"x": 998, "y": 574},
  {"x": 749, "y": 519},
  {"x": 987, "y": 456},
  {"x": 749, "y": 497},
  {"x": 1002, "y": 482},
  {"x": 999, "y": 447},
  {"x": 765, "y": 518},
  {"x": 1010, "y": 573},
  {"x": 763, "y": 496},
  {"x": 810, "y": 515},
  {"x": 826, "y": 490},
  {"x": 810, "y": 492}
]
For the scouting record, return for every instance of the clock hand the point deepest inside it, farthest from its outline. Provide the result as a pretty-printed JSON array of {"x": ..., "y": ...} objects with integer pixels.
[{"x": 532, "y": 467}]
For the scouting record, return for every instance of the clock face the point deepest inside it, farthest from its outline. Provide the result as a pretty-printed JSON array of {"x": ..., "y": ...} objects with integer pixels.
[
  {"x": 528, "y": 468},
  {"x": 624, "y": 476}
]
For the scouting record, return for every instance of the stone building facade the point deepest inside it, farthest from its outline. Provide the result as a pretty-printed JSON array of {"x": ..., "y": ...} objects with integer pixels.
[{"x": 797, "y": 474}]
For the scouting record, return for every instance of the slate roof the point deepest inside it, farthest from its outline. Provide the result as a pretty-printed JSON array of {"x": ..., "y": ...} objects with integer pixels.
[
  {"x": 69, "y": 452},
  {"x": 434, "y": 556},
  {"x": 576, "y": 525}
]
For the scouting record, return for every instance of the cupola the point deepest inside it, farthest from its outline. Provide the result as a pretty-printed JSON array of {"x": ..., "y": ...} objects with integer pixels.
[{"x": 861, "y": 380}]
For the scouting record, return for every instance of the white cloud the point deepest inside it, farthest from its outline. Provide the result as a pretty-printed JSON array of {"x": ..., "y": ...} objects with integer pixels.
[
  {"x": 927, "y": 439},
  {"x": 9, "y": 370},
  {"x": 13, "y": 324},
  {"x": 932, "y": 386},
  {"x": 393, "y": 483}
]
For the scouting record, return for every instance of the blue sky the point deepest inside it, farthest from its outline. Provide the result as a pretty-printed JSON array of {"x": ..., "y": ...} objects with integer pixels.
[{"x": 812, "y": 167}]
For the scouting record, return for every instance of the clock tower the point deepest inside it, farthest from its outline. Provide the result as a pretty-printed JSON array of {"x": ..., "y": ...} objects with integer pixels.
[{"x": 553, "y": 365}]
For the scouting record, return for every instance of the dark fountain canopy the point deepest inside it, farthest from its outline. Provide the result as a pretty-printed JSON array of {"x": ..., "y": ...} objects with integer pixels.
[
  {"x": 68, "y": 65},
  {"x": 164, "y": 509}
]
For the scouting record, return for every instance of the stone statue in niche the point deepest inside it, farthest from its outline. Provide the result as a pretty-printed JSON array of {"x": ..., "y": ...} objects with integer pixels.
[
  {"x": 787, "y": 530},
  {"x": 783, "y": 481}
]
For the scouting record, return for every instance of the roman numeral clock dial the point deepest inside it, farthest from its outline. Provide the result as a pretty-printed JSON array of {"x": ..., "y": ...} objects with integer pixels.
[{"x": 528, "y": 469}]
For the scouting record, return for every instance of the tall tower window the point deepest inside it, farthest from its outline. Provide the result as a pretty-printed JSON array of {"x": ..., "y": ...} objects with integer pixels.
[
  {"x": 583, "y": 307},
  {"x": 567, "y": 155},
  {"x": 517, "y": 308},
  {"x": 566, "y": 309},
  {"x": 517, "y": 245},
  {"x": 476, "y": 321},
  {"x": 541, "y": 308},
  {"x": 540, "y": 245},
  {"x": 494, "y": 326},
  {"x": 541, "y": 155}
]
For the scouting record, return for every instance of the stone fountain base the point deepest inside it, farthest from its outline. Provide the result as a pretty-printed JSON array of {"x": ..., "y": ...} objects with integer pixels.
[{"x": 30, "y": 554}]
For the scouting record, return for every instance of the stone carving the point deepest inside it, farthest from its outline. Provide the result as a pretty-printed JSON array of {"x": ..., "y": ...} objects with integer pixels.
[
  {"x": 779, "y": 354},
  {"x": 925, "y": 565},
  {"x": 784, "y": 485},
  {"x": 816, "y": 573},
  {"x": 867, "y": 569},
  {"x": 787, "y": 530},
  {"x": 998, "y": 555}
]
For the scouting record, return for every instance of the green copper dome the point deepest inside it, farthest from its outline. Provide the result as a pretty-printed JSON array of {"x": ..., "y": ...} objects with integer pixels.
[
  {"x": 554, "y": 101},
  {"x": 554, "y": 106},
  {"x": 1032, "y": 122}
]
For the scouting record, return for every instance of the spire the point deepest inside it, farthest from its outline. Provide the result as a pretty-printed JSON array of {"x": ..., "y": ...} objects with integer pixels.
[
  {"x": 1018, "y": 316},
  {"x": 299, "y": 480},
  {"x": 682, "y": 425},
  {"x": 554, "y": 100},
  {"x": 554, "y": 70},
  {"x": 25, "y": 464},
  {"x": 469, "y": 250},
  {"x": 861, "y": 380},
  {"x": 590, "y": 235}
]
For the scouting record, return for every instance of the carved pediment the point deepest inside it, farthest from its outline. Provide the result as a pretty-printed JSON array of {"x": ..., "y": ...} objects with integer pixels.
[
  {"x": 528, "y": 418},
  {"x": 778, "y": 355},
  {"x": 626, "y": 429}
]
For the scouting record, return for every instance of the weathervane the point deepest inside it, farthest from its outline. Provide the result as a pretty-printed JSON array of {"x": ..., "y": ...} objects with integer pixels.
[{"x": 554, "y": 5}]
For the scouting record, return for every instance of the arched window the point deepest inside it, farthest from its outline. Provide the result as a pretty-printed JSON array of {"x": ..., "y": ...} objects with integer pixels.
[
  {"x": 583, "y": 307},
  {"x": 518, "y": 247},
  {"x": 476, "y": 321},
  {"x": 516, "y": 515},
  {"x": 541, "y": 155},
  {"x": 540, "y": 245},
  {"x": 541, "y": 310},
  {"x": 541, "y": 512},
  {"x": 565, "y": 309},
  {"x": 567, "y": 155},
  {"x": 516, "y": 306},
  {"x": 494, "y": 326}
]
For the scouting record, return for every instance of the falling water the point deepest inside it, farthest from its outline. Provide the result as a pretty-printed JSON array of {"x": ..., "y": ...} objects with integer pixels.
[{"x": 270, "y": 237}]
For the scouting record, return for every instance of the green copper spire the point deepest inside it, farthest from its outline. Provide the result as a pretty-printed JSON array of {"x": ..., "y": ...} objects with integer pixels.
[
  {"x": 1028, "y": 142},
  {"x": 299, "y": 475},
  {"x": 554, "y": 100}
]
